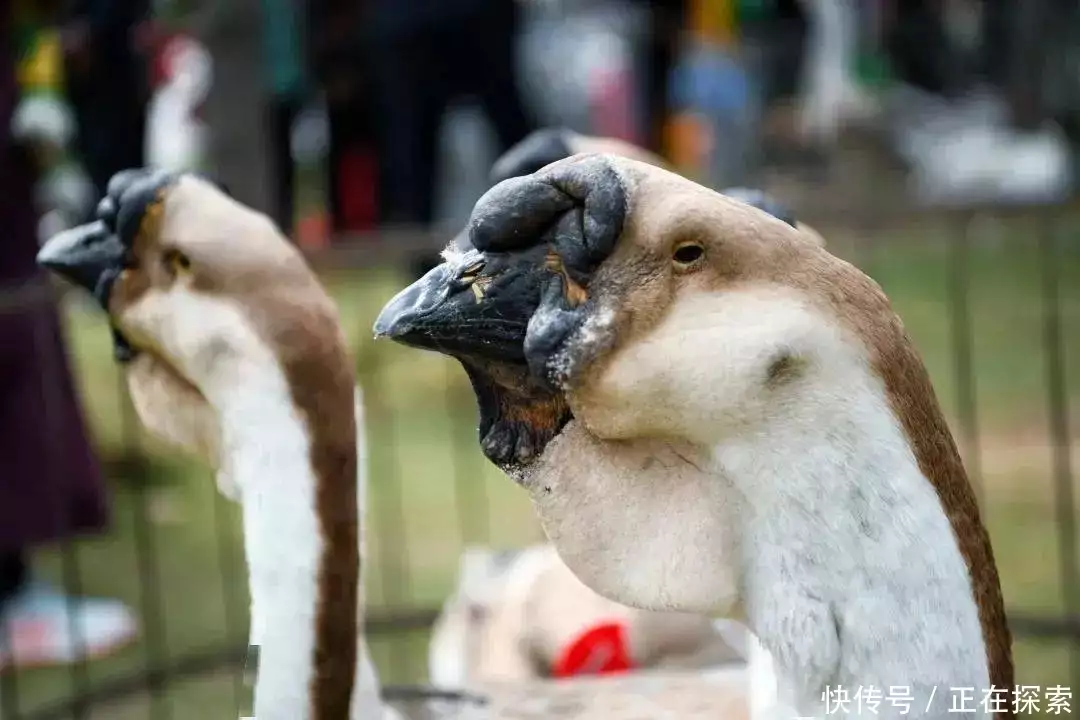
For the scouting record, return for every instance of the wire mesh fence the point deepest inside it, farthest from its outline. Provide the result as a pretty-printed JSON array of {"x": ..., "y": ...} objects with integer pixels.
[{"x": 991, "y": 298}]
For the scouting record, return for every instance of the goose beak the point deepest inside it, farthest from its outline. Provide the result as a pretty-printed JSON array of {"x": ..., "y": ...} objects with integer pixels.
[
  {"x": 89, "y": 256},
  {"x": 474, "y": 307},
  {"x": 94, "y": 255}
]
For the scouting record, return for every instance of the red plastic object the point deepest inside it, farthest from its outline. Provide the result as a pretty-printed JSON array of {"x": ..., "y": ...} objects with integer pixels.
[{"x": 601, "y": 650}]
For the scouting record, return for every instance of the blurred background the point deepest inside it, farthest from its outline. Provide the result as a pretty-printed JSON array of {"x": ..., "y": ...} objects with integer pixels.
[{"x": 932, "y": 142}]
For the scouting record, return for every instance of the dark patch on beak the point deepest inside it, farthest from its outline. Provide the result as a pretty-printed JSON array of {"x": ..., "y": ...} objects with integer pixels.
[{"x": 92, "y": 256}]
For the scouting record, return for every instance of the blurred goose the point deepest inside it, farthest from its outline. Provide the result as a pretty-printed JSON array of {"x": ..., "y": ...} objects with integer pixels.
[
  {"x": 232, "y": 350},
  {"x": 713, "y": 414},
  {"x": 521, "y": 615}
]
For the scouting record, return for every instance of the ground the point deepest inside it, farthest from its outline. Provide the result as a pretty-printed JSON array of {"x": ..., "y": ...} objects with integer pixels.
[{"x": 432, "y": 491}]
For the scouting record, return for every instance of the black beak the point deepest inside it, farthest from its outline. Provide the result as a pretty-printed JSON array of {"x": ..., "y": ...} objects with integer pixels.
[
  {"x": 477, "y": 307},
  {"x": 91, "y": 256},
  {"x": 477, "y": 310}
]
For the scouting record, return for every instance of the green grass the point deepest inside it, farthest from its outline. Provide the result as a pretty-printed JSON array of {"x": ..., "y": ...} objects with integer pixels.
[{"x": 432, "y": 491}]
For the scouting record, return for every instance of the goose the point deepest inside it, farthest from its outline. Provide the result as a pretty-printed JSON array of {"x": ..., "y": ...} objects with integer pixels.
[
  {"x": 232, "y": 350},
  {"x": 712, "y": 413},
  {"x": 521, "y": 615}
]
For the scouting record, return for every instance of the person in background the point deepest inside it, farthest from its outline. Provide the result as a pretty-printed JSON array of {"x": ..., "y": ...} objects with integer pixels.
[
  {"x": 51, "y": 487},
  {"x": 107, "y": 83},
  {"x": 336, "y": 42},
  {"x": 424, "y": 55},
  {"x": 283, "y": 34},
  {"x": 666, "y": 21}
]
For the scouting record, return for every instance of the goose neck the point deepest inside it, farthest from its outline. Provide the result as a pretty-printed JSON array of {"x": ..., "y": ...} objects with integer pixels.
[{"x": 298, "y": 495}]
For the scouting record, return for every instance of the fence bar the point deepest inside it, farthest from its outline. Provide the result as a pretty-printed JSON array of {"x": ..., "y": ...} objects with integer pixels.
[
  {"x": 1045, "y": 628},
  {"x": 1059, "y": 428},
  {"x": 229, "y": 569},
  {"x": 385, "y": 488},
  {"x": 146, "y": 560},
  {"x": 209, "y": 660},
  {"x": 960, "y": 326},
  {"x": 470, "y": 490},
  {"x": 80, "y": 671},
  {"x": 69, "y": 552},
  {"x": 9, "y": 686}
]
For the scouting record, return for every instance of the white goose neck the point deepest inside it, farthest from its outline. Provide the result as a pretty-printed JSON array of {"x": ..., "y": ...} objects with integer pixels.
[
  {"x": 266, "y": 445},
  {"x": 852, "y": 574}
]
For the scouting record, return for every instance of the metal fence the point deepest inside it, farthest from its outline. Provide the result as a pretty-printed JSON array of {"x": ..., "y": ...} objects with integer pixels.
[{"x": 952, "y": 260}]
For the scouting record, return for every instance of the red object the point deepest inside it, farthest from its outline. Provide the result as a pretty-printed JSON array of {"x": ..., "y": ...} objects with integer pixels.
[
  {"x": 163, "y": 54},
  {"x": 357, "y": 191},
  {"x": 601, "y": 650}
]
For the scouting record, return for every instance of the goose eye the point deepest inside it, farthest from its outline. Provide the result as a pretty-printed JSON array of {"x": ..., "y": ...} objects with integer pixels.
[
  {"x": 688, "y": 254},
  {"x": 177, "y": 262}
]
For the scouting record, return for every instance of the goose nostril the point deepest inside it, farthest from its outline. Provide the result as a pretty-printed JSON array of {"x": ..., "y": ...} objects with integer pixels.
[{"x": 469, "y": 274}]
